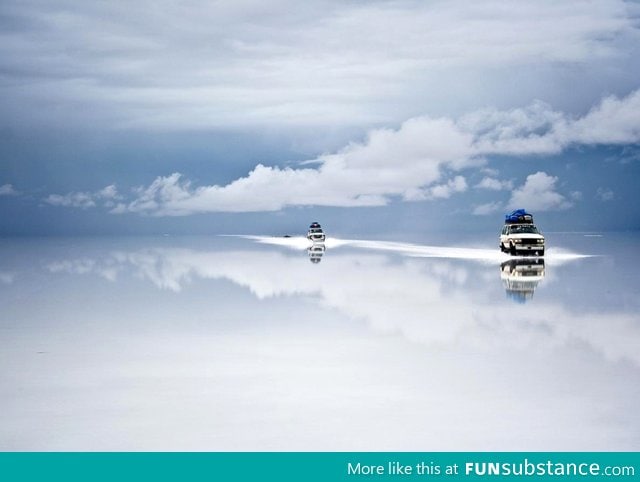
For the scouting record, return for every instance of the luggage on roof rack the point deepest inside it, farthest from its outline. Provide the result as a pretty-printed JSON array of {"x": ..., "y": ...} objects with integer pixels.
[{"x": 519, "y": 216}]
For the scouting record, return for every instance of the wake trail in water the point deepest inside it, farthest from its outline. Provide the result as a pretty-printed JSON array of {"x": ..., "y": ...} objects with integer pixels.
[{"x": 553, "y": 255}]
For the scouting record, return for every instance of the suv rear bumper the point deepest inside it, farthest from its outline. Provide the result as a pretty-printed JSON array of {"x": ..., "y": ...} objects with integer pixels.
[{"x": 529, "y": 249}]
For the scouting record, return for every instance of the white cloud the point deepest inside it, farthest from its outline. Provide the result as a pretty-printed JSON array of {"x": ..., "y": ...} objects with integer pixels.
[
  {"x": 82, "y": 200},
  {"x": 488, "y": 208},
  {"x": 8, "y": 190},
  {"x": 538, "y": 193},
  {"x": 538, "y": 129},
  {"x": 321, "y": 63},
  {"x": 414, "y": 162},
  {"x": 494, "y": 184},
  {"x": 418, "y": 161},
  {"x": 604, "y": 194},
  {"x": 614, "y": 121},
  {"x": 518, "y": 131},
  {"x": 85, "y": 200},
  {"x": 445, "y": 191},
  {"x": 439, "y": 191},
  {"x": 489, "y": 171},
  {"x": 389, "y": 163},
  {"x": 108, "y": 192}
]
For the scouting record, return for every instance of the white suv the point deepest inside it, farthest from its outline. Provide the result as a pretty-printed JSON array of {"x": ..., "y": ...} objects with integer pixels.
[{"x": 522, "y": 239}]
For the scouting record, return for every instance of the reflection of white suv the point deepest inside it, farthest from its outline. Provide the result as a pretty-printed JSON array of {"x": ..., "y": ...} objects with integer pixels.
[
  {"x": 520, "y": 277},
  {"x": 522, "y": 239}
]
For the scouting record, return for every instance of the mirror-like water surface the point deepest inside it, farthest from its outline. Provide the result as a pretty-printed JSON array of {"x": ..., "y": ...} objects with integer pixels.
[{"x": 257, "y": 343}]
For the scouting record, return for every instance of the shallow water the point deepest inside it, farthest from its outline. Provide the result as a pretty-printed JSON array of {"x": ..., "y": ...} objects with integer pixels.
[{"x": 258, "y": 343}]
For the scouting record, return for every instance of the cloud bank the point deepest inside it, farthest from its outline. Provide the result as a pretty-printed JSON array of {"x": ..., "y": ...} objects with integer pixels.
[
  {"x": 213, "y": 64},
  {"x": 84, "y": 200},
  {"x": 421, "y": 160}
]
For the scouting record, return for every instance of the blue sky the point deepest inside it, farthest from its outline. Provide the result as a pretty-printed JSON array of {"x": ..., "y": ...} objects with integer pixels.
[{"x": 258, "y": 117}]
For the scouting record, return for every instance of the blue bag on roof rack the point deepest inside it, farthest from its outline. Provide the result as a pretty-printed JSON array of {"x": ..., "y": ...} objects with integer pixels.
[{"x": 519, "y": 216}]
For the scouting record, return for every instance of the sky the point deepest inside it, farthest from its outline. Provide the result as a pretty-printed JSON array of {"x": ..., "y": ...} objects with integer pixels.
[{"x": 260, "y": 117}]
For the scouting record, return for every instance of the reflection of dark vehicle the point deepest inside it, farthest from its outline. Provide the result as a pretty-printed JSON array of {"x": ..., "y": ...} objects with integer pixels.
[
  {"x": 315, "y": 233},
  {"x": 315, "y": 253},
  {"x": 520, "y": 277},
  {"x": 520, "y": 236}
]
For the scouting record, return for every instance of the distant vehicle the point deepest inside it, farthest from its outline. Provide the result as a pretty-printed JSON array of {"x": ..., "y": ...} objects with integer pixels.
[
  {"x": 315, "y": 233},
  {"x": 520, "y": 236}
]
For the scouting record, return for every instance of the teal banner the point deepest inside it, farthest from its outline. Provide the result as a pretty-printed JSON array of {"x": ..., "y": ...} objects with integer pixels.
[{"x": 304, "y": 466}]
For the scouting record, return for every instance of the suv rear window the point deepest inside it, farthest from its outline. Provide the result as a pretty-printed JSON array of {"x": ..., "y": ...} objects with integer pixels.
[{"x": 523, "y": 229}]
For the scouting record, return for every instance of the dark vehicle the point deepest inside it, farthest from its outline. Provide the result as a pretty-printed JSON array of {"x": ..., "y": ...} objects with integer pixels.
[{"x": 315, "y": 233}]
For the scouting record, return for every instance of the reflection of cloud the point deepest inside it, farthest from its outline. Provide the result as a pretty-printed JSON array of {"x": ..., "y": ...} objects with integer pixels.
[
  {"x": 431, "y": 303},
  {"x": 108, "y": 268},
  {"x": 76, "y": 266}
]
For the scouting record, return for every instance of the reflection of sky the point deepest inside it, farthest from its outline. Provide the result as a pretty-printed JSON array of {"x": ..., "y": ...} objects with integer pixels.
[{"x": 229, "y": 344}]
